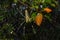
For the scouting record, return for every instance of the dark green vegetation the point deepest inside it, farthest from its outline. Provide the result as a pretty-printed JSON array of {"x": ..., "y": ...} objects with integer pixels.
[{"x": 13, "y": 25}]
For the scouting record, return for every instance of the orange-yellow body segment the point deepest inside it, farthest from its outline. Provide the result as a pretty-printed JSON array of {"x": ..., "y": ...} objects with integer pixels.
[
  {"x": 38, "y": 19},
  {"x": 48, "y": 10}
]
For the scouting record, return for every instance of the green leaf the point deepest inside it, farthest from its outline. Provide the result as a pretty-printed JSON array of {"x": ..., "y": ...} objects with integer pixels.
[
  {"x": 15, "y": 1},
  {"x": 24, "y": 0},
  {"x": 33, "y": 16},
  {"x": 48, "y": 1},
  {"x": 1, "y": 18},
  {"x": 35, "y": 6}
]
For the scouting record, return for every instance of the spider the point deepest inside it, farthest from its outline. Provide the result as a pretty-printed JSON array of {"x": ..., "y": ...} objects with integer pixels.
[{"x": 26, "y": 19}]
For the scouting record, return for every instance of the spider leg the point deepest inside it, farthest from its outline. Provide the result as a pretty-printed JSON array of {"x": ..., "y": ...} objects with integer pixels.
[
  {"x": 20, "y": 25},
  {"x": 34, "y": 31},
  {"x": 21, "y": 18},
  {"x": 24, "y": 31},
  {"x": 20, "y": 12}
]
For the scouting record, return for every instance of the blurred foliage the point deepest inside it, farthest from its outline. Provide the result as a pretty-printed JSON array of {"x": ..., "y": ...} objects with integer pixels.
[{"x": 12, "y": 19}]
